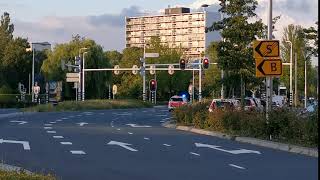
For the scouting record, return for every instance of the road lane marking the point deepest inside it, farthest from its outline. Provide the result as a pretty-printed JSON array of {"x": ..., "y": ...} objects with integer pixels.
[
  {"x": 196, "y": 154},
  {"x": 47, "y": 124},
  {"x": 78, "y": 152},
  {"x": 166, "y": 118},
  {"x": 238, "y": 151},
  {"x": 111, "y": 124},
  {"x": 101, "y": 113},
  {"x": 118, "y": 129},
  {"x": 59, "y": 120},
  {"x": 146, "y": 138},
  {"x": 123, "y": 114},
  {"x": 66, "y": 143},
  {"x": 130, "y": 133},
  {"x": 53, "y": 122},
  {"x": 138, "y": 126},
  {"x": 58, "y": 137},
  {"x": 65, "y": 118},
  {"x": 123, "y": 145},
  {"x": 239, "y": 167},
  {"x": 168, "y": 145},
  {"x": 82, "y": 123},
  {"x": 25, "y": 144},
  {"x": 51, "y": 132},
  {"x": 19, "y": 122},
  {"x": 47, "y": 127},
  {"x": 161, "y": 115}
]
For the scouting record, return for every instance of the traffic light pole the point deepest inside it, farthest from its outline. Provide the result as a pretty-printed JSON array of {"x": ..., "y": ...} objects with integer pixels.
[
  {"x": 200, "y": 77},
  {"x": 144, "y": 74}
]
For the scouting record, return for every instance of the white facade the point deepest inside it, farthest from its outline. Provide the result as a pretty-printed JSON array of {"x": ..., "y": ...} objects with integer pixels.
[{"x": 184, "y": 30}]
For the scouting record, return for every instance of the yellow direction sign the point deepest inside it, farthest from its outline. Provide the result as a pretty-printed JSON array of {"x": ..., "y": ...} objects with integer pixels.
[
  {"x": 268, "y": 67},
  {"x": 266, "y": 48}
]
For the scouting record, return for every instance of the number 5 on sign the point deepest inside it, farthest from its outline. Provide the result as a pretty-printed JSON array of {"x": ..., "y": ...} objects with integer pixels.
[{"x": 266, "y": 49}]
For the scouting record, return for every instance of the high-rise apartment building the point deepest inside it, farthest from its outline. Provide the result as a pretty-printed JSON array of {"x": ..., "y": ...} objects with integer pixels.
[{"x": 177, "y": 28}]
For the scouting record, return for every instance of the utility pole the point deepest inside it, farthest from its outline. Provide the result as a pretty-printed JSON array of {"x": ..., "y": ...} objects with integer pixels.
[
  {"x": 144, "y": 74},
  {"x": 222, "y": 72},
  {"x": 295, "y": 79},
  {"x": 32, "y": 84},
  {"x": 269, "y": 79}
]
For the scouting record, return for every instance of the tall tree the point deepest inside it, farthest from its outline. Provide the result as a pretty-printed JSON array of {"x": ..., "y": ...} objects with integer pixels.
[
  {"x": 114, "y": 57},
  {"x": 235, "y": 52},
  {"x": 95, "y": 82}
]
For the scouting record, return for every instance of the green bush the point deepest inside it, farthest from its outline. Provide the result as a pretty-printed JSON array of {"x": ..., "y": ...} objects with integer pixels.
[
  {"x": 283, "y": 125},
  {"x": 5, "y": 175}
]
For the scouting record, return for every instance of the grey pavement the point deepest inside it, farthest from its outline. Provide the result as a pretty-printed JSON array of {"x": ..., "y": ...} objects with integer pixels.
[{"x": 132, "y": 144}]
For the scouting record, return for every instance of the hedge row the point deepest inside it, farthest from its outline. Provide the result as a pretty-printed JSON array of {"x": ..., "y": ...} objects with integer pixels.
[{"x": 283, "y": 125}]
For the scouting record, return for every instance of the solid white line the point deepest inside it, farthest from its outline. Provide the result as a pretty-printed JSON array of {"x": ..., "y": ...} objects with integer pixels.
[
  {"x": 168, "y": 145},
  {"x": 77, "y": 152},
  {"x": 66, "y": 143},
  {"x": 146, "y": 138},
  {"x": 47, "y": 127},
  {"x": 47, "y": 124},
  {"x": 51, "y": 132},
  {"x": 58, "y": 137},
  {"x": 239, "y": 167},
  {"x": 130, "y": 133},
  {"x": 196, "y": 154}
]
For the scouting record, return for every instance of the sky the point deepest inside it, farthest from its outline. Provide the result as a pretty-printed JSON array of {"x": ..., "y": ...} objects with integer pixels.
[{"x": 56, "y": 21}]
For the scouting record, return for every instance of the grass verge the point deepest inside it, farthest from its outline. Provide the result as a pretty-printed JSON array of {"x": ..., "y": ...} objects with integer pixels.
[
  {"x": 89, "y": 105},
  {"x": 13, "y": 175}
]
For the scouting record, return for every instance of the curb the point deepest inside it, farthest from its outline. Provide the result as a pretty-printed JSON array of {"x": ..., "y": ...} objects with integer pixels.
[
  {"x": 6, "y": 167},
  {"x": 264, "y": 143}
]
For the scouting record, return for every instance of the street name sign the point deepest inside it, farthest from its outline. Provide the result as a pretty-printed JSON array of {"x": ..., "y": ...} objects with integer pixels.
[
  {"x": 73, "y": 79},
  {"x": 268, "y": 67},
  {"x": 152, "y": 55},
  {"x": 266, "y": 49}
]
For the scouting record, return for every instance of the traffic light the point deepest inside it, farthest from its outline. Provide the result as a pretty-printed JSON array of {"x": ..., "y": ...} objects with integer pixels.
[
  {"x": 205, "y": 63},
  {"x": 153, "y": 85},
  {"x": 182, "y": 64}
]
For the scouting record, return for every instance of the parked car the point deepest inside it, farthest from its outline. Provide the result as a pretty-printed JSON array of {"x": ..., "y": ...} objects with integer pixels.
[
  {"x": 221, "y": 104},
  {"x": 177, "y": 101},
  {"x": 250, "y": 104}
]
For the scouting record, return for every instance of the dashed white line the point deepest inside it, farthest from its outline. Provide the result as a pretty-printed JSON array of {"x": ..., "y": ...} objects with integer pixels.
[
  {"x": 58, "y": 137},
  {"x": 239, "y": 167},
  {"x": 47, "y": 124},
  {"x": 65, "y": 118},
  {"x": 51, "y": 132},
  {"x": 78, "y": 152},
  {"x": 66, "y": 143},
  {"x": 130, "y": 133},
  {"x": 196, "y": 154},
  {"x": 118, "y": 129},
  {"x": 168, "y": 145},
  {"x": 53, "y": 122},
  {"x": 161, "y": 115},
  {"x": 146, "y": 138},
  {"x": 47, "y": 127}
]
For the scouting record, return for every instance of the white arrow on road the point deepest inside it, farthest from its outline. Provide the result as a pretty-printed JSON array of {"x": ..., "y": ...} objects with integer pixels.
[
  {"x": 239, "y": 151},
  {"x": 25, "y": 144},
  {"x": 19, "y": 122},
  {"x": 138, "y": 126},
  {"x": 82, "y": 123},
  {"x": 122, "y": 144}
]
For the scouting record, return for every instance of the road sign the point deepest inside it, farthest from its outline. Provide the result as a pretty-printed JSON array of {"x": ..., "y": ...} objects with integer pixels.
[
  {"x": 268, "y": 67},
  {"x": 142, "y": 71},
  {"x": 73, "y": 79},
  {"x": 152, "y": 69},
  {"x": 266, "y": 48},
  {"x": 135, "y": 69},
  {"x": 171, "y": 69},
  {"x": 114, "y": 89},
  {"x": 152, "y": 55},
  {"x": 72, "y": 75},
  {"x": 116, "y": 72}
]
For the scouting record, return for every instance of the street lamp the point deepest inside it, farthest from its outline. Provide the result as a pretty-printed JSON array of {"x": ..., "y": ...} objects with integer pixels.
[
  {"x": 82, "y": 71},
  {"x": 291, "y": 54},
  {"x": 83, "y": 85}
]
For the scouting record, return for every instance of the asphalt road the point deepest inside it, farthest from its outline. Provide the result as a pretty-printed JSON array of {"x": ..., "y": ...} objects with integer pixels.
[{"x": 132, "y": 145}]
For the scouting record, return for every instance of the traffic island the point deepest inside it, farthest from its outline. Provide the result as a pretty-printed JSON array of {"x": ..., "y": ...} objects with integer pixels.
[
  {"x": 14, "y": 172},
  {"x": 89, "y": 105}
]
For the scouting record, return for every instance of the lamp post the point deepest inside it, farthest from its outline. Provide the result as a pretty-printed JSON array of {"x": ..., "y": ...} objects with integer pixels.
[
  {"x": 81, "y": 87},
  {"x": 291, "y": 91},
  {"x": 83, "y": 68},
  {"x": 32, "y": 85}
]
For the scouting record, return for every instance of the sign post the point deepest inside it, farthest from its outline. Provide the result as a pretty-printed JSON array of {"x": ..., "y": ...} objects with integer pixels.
[{"x": 114, "y": 90}]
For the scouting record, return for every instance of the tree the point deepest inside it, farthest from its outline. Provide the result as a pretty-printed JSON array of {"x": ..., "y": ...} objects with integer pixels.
[
  {"x": 295, "y": 34},
  {"x": 95, "y": 82},
  {"x": 235, "y": 52},
  {"x": 311, "y": 34},
  {"x": 114, "y": 57}
]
